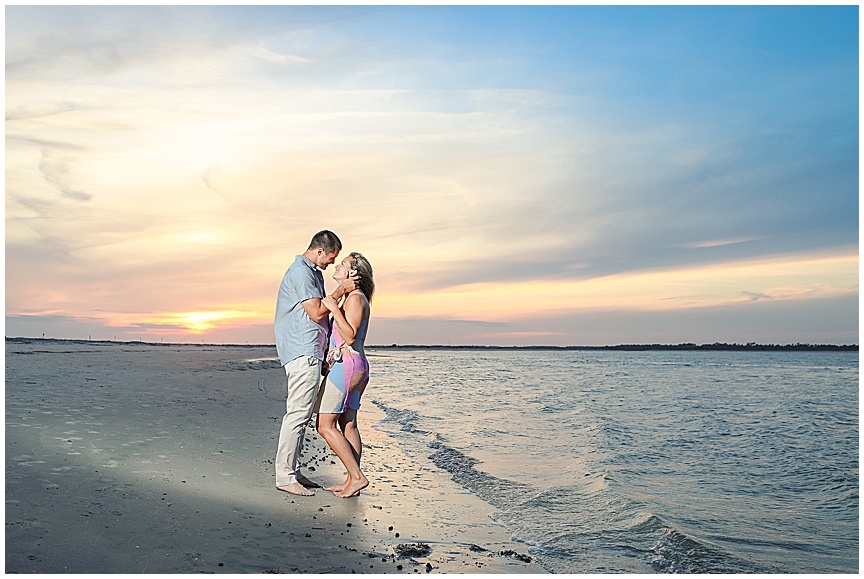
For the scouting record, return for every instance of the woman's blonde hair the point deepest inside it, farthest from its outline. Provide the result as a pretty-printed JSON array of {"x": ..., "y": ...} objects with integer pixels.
[{"x": 361, "y": 265}]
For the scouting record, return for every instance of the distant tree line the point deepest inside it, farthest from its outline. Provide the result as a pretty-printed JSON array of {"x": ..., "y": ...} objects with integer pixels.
[
  {"x": 716, "y": 346},
  {"x": 798, "y": 347}
]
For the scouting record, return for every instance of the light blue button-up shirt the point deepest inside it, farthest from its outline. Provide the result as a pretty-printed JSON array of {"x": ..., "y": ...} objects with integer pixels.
[{"x": 296, "y": 333}]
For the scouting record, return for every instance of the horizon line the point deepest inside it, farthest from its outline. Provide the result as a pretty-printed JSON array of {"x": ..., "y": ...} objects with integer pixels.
[{"x": 679, "y": 346}]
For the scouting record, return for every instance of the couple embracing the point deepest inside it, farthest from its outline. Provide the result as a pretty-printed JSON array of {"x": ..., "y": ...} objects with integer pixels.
[{"x": 319, "y": 339}]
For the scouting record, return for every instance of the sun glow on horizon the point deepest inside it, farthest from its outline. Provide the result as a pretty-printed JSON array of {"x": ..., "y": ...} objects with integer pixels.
[
  {"x": 791, "y": 277},
  {"x": 195, "y": 322}
]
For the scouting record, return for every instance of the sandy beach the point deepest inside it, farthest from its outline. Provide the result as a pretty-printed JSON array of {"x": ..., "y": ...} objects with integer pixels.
[{"x": 137, "y": 458}]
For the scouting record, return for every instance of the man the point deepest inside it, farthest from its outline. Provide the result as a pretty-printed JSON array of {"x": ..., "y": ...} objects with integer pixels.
[{"x": 302, "y": 332}]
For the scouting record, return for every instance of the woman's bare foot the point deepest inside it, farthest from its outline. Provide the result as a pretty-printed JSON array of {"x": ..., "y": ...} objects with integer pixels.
[
  {"x": 353, "y": 488},
  {"x": 339, "y": 487},
  {"x": 296, "y": 489}
]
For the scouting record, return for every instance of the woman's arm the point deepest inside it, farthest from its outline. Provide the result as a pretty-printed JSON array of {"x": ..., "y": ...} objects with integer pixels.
[
  {"x": 349, "y": 320},
  {"x": 315, "y": 307}
]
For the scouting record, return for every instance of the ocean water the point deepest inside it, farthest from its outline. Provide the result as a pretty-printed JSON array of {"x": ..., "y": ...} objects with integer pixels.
[{"x": 642, "y": 462}]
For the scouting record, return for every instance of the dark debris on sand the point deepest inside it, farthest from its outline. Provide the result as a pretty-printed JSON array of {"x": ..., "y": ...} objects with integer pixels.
[
  {"x": 406, "y": 550},
  {"x": 515, "y": 555}
]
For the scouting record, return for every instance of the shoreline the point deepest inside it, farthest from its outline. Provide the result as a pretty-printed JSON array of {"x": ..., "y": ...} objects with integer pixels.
[
  {"x": 160, "y": 460},
  {"x": 685, "y": 347}
]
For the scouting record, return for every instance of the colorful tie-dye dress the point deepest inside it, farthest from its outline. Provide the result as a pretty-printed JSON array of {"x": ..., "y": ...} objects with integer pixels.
[{"x": 348, "y": 376}]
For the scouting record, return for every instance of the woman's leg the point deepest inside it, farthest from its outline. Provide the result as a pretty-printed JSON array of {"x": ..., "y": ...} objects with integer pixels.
[
  {"x": 322, "y": 424},
  {"x": 357, "y": 481},
  {"x": 348, "y": 424}
]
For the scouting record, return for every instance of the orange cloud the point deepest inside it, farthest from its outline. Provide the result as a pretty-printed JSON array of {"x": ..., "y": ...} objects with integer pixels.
[
  {"x": 782, "y": 278},
  {"x": 519, "y": 334}
]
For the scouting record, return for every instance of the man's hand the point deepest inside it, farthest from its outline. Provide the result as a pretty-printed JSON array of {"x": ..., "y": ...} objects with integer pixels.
[{"x": 349, "y": 284}]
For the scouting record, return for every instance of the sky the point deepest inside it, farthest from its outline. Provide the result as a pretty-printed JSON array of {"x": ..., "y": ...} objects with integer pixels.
[{"x": 560, "y": 175}]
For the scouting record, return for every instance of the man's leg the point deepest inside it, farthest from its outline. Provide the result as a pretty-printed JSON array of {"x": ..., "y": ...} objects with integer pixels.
[{"x": 304, "y": 378}]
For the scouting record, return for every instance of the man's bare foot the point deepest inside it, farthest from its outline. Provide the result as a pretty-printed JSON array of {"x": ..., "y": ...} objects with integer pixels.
[
  {"x": 307, "y": 483},
  {"x": 339, "y": 487},
  {"x": 353, "y": 488},
  {"x": 296, "y": 489}
]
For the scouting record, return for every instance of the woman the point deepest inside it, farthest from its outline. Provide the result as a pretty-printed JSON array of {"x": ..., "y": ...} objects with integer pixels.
[{"x": 348, "y": 374}]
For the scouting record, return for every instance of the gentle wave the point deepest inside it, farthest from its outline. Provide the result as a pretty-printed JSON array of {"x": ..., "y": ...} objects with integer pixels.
[
  {"x": 551, "y": 535},
  {"x": 645, "y": 462}
]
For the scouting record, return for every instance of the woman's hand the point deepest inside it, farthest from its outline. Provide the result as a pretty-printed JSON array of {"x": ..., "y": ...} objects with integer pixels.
[{"x": 330, "y": 303}]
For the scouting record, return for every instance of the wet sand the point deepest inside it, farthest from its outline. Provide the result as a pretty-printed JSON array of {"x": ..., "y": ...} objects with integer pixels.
[{"x": 137, "y": 458}]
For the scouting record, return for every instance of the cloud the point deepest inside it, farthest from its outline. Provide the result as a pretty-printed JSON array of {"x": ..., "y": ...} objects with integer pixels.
[
  {"x": 411, "y": 330},
  {"x": 24, "y": 112},
  {"x": 286, "y": 59},
  {"x": 148, "y": 327},
  {"x": 171, "y": 159},
  {"x": 56, "y": 172},
  {"x": 720, "y": 242},
  {"x": 46, "y": 43},
  {"x": 755, "y": 296},
  {"x": 209, "y": 179},
  {"x": 821, "y": 321},
  {"x": 791, "y": 277}
]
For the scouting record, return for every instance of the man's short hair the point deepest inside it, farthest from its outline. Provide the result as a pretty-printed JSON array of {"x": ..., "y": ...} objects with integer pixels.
[{"x": 326, "y": 240}]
